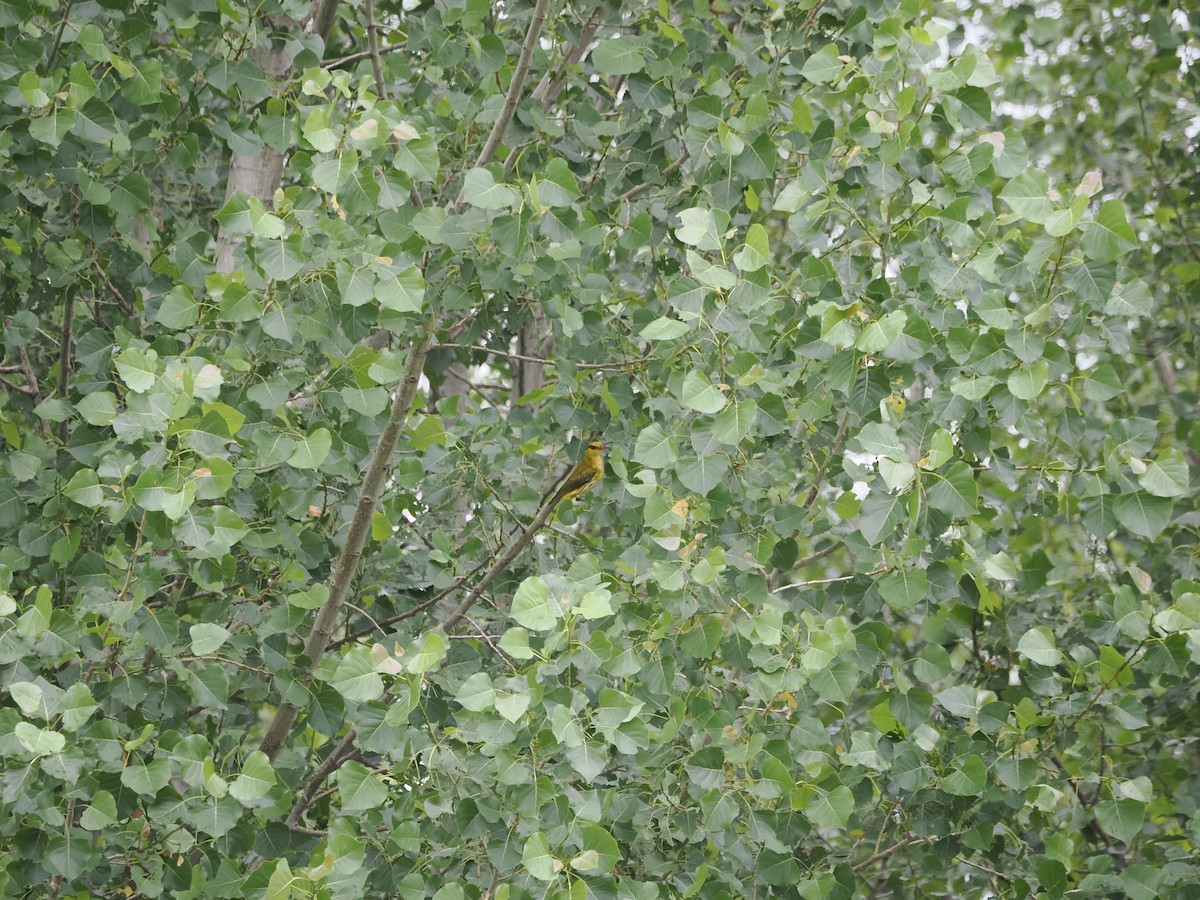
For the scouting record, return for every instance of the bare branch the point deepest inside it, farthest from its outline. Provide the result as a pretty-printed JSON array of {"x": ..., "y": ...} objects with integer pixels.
[
  {"x": 64, "y": 361},
  {"x": 633, "y": 364},
  {"x": 338, "y": 755},
  {"x": 501, "y": 563},
  {"x": 363, "y": 54},
  {"x": 513, "y": 97},
  {"x": 373, "y": 45},
  {"x": 356, "y": 538},
  {"x": 646, "y": 185}
]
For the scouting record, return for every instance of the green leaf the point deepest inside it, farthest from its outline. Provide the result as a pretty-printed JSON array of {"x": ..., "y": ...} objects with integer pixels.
[
  {"x": 538, "y": 860},
  {"x": 1028, "y": 384},
  {"x": 101, "y": 812},
  {"x": 531, "y": 606},
  {"x": 76, "y": 706},
  {"x": 654, "y": 448},
  {"x": 311, "y": 450},
  {"x": 426, "y": 653},
  {"x": 512, "y": 705},
  {"x": 51, "y": 128},
  {"x": 1143, "y": 514},
  {"x": 401, "y": 290},
  {"x": 355, "y": 677},
  {"x": 755, "y": 253},
  {"x": 418, "y": 159},
  {"x": 1037, "y": 645},
  {"x": 621, "y": 56},
  {"x": 84, "y": 488},
  {"x": 1028, "y": 196},
  {"x": 904, "y": 589},
  {"x": 700, "y": 394},
  {"x": 360, "y": 788},
  {"x": 831, "y": 809},
  {"x": 39, "y": 741},
  {"x": 823, "y": 67},
  {"x": 882, "y": 332},
  {"x": 698, "y": 228},
  {"x": 179, "y": 309},
  {"x": 702, "y": 473},
  {"x": 255, "y": 780},
  {"x": 280, "y": 258},
  {"x": 709, "y": 273},
  {"x": 736, "y": 422},
  {"x": 313, "y": 598},
  {"x": 480, "y": 189},
  {"x": 208, "y": 638},
  {"x": 1110, "y": 236},
  {"x": 955, "y": 493},
  {"x": 477, "y": 693},
  {"x": 1167, "y": 476},
  {"x": 98, "y": 408},
  {"x": 137, "y": 368},
  {"x": 664, "y": 329},
  {"x": 968, "y": 778},
  {"x": 144, "y": 85},
  {"x": 1122, "y": 819}
]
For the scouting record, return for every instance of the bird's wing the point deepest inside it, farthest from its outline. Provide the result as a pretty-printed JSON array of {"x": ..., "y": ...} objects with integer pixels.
[{"x": 578, "y": 481}]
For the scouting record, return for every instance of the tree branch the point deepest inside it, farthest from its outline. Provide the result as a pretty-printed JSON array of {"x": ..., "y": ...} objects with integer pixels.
[
  {"x": 502, "y": 561},
  {"x": 373, "y": 49},
  {"x": 338, "y": 755},
  {"x": 520, "y": 74},
  {"x": 362, "y": 54},
  {"x": 841, "y": 434},
  {"x": 324, "y": 17},
  {"x": 521, "y": 357},
  {"x": 64, "y": 361},
  {"x": 889, "y": 851},
  {"x": 360, "y": 526},
  {"x": 646, "y": 185}
]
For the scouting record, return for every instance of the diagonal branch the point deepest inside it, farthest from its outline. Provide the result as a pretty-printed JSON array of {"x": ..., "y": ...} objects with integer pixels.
[
  {"x": 356, "y": 538},
  {"x": 552, "y": 83},
  {"x": 520, "y": 74},
  {"x": 501, "y": 563},
  {"x": 338, "y": 755}
]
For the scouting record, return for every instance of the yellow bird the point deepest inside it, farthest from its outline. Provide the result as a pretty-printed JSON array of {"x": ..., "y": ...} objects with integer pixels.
[{"x": 584, "y": 476}]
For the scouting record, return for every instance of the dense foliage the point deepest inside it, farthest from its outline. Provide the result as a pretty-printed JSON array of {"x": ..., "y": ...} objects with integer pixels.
[{"x": 886, "y": 309}]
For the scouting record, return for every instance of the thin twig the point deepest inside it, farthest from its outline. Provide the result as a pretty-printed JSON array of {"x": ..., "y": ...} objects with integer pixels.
[
  {"x": 501, "y": 563},
  {"x": 820, "y": 554},
  {"x": 646, "y": 185},
  {"x": 64, "y": 361},
  {"x": 840, "y": 578},
  {"x": 416, "y": 610},
  {"x": 361, "y": 55},
  {"x": 521, "y": 357},
  {"x": 837, "y": 441},
  {"x": 811, "y": 18},
  {"x": 551, "y": 85},
  {"x": 889, "y": 851},
  {"x": 367, "y": 616},
  {"x": 19, "y": 388},
  {"x": 488, "y": 638},
  {"x": 27, "y": 370}
]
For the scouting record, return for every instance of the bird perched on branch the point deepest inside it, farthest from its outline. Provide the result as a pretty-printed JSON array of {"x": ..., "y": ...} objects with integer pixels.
[{"x": 584, "y": 476}]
